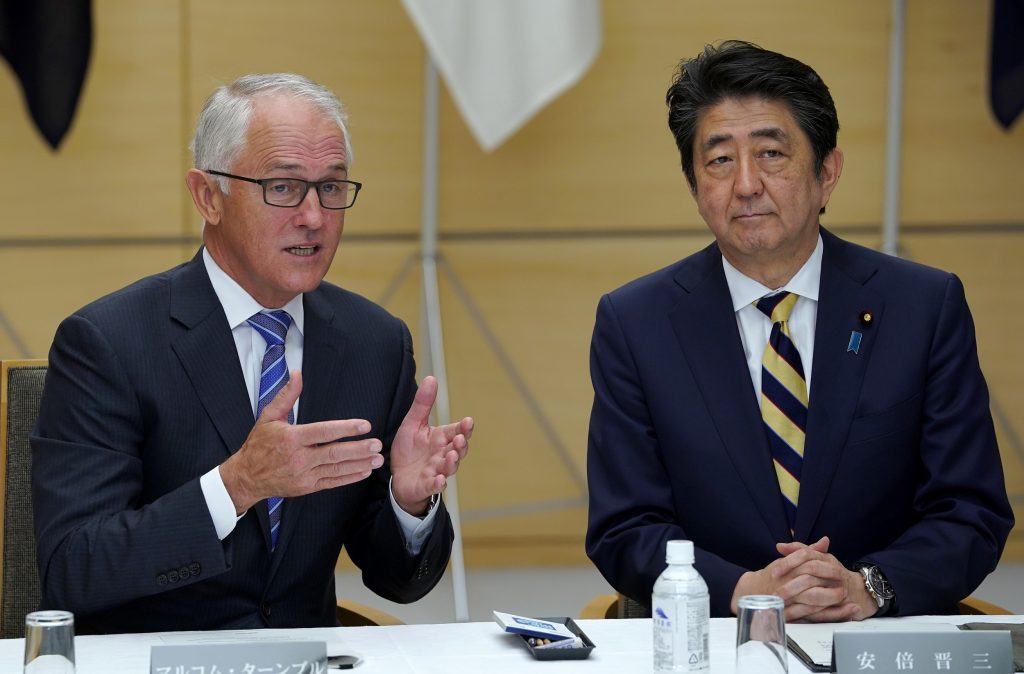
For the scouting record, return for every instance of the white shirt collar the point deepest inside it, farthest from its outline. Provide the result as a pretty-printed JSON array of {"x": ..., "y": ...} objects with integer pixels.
[
  {"x": 805, "y": 283},
  {"x": 240, "y": 305}
]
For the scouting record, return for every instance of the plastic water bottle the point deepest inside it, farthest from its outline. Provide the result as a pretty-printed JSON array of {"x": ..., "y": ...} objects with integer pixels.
[{"x": 680, "y": 608}]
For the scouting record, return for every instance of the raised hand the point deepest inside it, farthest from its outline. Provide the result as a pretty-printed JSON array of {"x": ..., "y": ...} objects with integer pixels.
[
  {"x": 423, "y": 457},
  {"x": 282, "y": 459}
]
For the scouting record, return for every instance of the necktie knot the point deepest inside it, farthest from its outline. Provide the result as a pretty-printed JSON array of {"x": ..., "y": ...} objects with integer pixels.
[
  {"x": 272, "y": 326},
  {"x": 777, "y": 307}
]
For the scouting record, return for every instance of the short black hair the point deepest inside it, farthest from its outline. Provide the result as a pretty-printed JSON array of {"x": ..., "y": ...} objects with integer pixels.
[{"x": 736, "y": 69}]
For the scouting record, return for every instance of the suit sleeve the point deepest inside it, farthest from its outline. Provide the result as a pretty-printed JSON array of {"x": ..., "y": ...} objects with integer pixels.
[
  {"x": 964, "y": 516},
  {"x": 98, "y": 543},
  {"x": 377, "y": 545},
  {"x": 632, "y": 512}
]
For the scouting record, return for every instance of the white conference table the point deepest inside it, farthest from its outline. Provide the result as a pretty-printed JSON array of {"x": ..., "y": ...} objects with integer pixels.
[{"x": 622, "y": 647}]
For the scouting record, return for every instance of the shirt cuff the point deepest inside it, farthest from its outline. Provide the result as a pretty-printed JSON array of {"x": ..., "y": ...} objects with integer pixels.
[
  {"x": 416, "y": 530},
  {"x": 219, "y": 503}
]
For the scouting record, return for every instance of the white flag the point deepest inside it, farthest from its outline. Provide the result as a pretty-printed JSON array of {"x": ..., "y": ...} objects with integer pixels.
[{"x": 503, "y": 60}]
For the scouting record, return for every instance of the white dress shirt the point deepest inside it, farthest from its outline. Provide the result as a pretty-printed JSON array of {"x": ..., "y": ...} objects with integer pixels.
[
  {"x": 238, "y": 307},
  {"x": 755, "y": 327}
]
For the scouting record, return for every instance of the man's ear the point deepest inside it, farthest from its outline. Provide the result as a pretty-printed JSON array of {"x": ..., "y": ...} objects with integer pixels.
[
  {"x": 206, "y": 195},
  {"x": 831, "y": 169}
]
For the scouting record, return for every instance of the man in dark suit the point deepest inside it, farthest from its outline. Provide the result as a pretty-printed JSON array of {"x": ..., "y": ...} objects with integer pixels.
[
  {"x": 171, "y": 488},
  {"x": 878, "y": 488}
]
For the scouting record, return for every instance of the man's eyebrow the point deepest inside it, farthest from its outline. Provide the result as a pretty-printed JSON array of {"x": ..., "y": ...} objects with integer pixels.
[
  {"x": 772, "y": 132},
  {"x": 715, "y": 139},
  {"x": 291, "y": 166}
]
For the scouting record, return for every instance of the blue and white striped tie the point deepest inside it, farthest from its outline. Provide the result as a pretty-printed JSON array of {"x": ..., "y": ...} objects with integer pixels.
[{"x": 273, "y": 326}]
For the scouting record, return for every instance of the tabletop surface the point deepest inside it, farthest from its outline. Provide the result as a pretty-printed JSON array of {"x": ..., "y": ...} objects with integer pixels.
[{"x": 622, "y": 646}]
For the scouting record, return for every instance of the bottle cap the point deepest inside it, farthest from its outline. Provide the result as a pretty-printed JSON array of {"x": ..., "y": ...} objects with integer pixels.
[{"x": 679, "y": 552}]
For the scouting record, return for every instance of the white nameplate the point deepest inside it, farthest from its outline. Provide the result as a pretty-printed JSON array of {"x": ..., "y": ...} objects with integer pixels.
[
  {"x": 275, "y": 657},
  {"x": 889, "y": 652}
]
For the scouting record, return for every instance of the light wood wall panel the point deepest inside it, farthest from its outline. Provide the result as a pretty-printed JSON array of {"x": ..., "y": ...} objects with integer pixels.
[
  {"x": 960, "y": 166},
  {"x": 601, "y": 156},
  {"x": 386, "y": 272},
  {"x": 42, "y": 285},
  {"x": 118, "y": 171}
]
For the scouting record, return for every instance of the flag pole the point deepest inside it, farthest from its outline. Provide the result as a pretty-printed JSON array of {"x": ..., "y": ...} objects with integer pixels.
[
  {"x": 894, "y": 131},
  {"x": 432, "y": 317}
]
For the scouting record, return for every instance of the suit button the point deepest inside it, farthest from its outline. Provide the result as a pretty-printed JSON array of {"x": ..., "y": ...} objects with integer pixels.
[
  {"x": 172, "y": 576},
  {"x": 194, "y": 568},
  {"x": 184, "y": 573},
  {"x": 265, "y": 610},
  {"x": 161, "y": 579}
]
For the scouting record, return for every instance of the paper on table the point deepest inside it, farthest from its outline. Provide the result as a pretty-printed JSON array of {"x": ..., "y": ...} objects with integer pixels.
[{"x": 812, "y": 642}]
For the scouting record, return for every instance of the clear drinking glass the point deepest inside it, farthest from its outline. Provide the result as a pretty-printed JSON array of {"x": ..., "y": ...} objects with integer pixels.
[
  {"x": 761, "y": 635},
  {"x": 50, "y": 642}
]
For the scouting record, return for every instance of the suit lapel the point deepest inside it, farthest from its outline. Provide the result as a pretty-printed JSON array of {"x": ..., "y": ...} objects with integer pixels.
[
  {"x": 208, "y": 355},
  {"x": 838, "y": 371},
  {"x": 705, "y": 326},
  {"x": 322, "y": 368}
]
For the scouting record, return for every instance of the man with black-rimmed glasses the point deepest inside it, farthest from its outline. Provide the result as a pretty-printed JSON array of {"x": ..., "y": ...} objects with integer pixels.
[{"x": 211, "y": 436}]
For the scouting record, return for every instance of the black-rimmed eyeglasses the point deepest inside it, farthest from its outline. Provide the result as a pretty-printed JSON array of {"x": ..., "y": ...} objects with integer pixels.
[{"x": 290, "y": 192}]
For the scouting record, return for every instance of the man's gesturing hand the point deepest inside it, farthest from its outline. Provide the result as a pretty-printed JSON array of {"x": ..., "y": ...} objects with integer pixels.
[
  {"x": 282, "y": 459},
  {"x": 424, "y": 456}
]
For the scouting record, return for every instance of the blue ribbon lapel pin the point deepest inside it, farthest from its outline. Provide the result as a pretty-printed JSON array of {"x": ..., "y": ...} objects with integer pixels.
[{"x": 854, "y": 344}]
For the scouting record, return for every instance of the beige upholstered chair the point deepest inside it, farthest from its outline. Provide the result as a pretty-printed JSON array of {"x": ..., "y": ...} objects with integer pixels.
[
  {"x": 621, "y": 606},
  {"x": 21, "y": 384},
  {"x": 22, "y": 387}
]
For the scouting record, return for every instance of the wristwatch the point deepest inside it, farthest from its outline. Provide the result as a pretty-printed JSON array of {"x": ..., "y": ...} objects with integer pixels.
[{"x": 878, "y": 587}]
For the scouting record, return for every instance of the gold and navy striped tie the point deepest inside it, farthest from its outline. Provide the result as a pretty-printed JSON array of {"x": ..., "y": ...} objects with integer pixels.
[{"x": 783, "y": 399}]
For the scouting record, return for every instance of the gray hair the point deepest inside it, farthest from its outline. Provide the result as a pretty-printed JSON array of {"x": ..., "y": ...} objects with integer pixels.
[{"x": 224, "y": 121}]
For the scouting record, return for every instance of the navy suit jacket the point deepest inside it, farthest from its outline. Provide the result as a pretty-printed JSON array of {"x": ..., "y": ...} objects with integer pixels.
[
  {"x": 901, "y": 466},
  {"x": 144, "y": 394}
]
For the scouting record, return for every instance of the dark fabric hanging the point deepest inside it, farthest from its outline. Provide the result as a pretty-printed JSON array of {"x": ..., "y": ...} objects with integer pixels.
[
  {"x": 47, "y": 43},
  {"x": 1006, "y": 79}
]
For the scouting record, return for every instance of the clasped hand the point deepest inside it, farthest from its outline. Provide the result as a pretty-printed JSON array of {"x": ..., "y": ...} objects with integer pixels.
[
  {"x": 814, "y": 585},
  {"x": 282, "y": 459}
]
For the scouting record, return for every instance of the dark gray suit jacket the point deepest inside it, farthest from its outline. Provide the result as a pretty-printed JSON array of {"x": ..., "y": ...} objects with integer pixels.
[{"x": 144, "y": 394}]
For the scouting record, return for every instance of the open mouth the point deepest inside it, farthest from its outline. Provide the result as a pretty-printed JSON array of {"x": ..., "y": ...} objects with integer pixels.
[{"x": 303, "y": 251}]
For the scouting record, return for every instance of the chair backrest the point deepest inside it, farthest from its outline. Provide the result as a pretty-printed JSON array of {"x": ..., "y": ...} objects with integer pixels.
[
  {"x": 976, "y": 606},
  {"x": 615, "y": 605},
  {"x": 354, "y": 614},
  {"x": 631, "y": 608},
  {"x": 21, "y": 386}
]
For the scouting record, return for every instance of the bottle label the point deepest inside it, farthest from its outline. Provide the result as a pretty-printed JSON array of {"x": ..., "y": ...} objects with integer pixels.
[{"x": 680, "y": 634}]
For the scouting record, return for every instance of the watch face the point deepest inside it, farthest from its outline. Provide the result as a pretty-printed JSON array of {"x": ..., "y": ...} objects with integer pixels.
[{"x": 879, "y": 584}]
